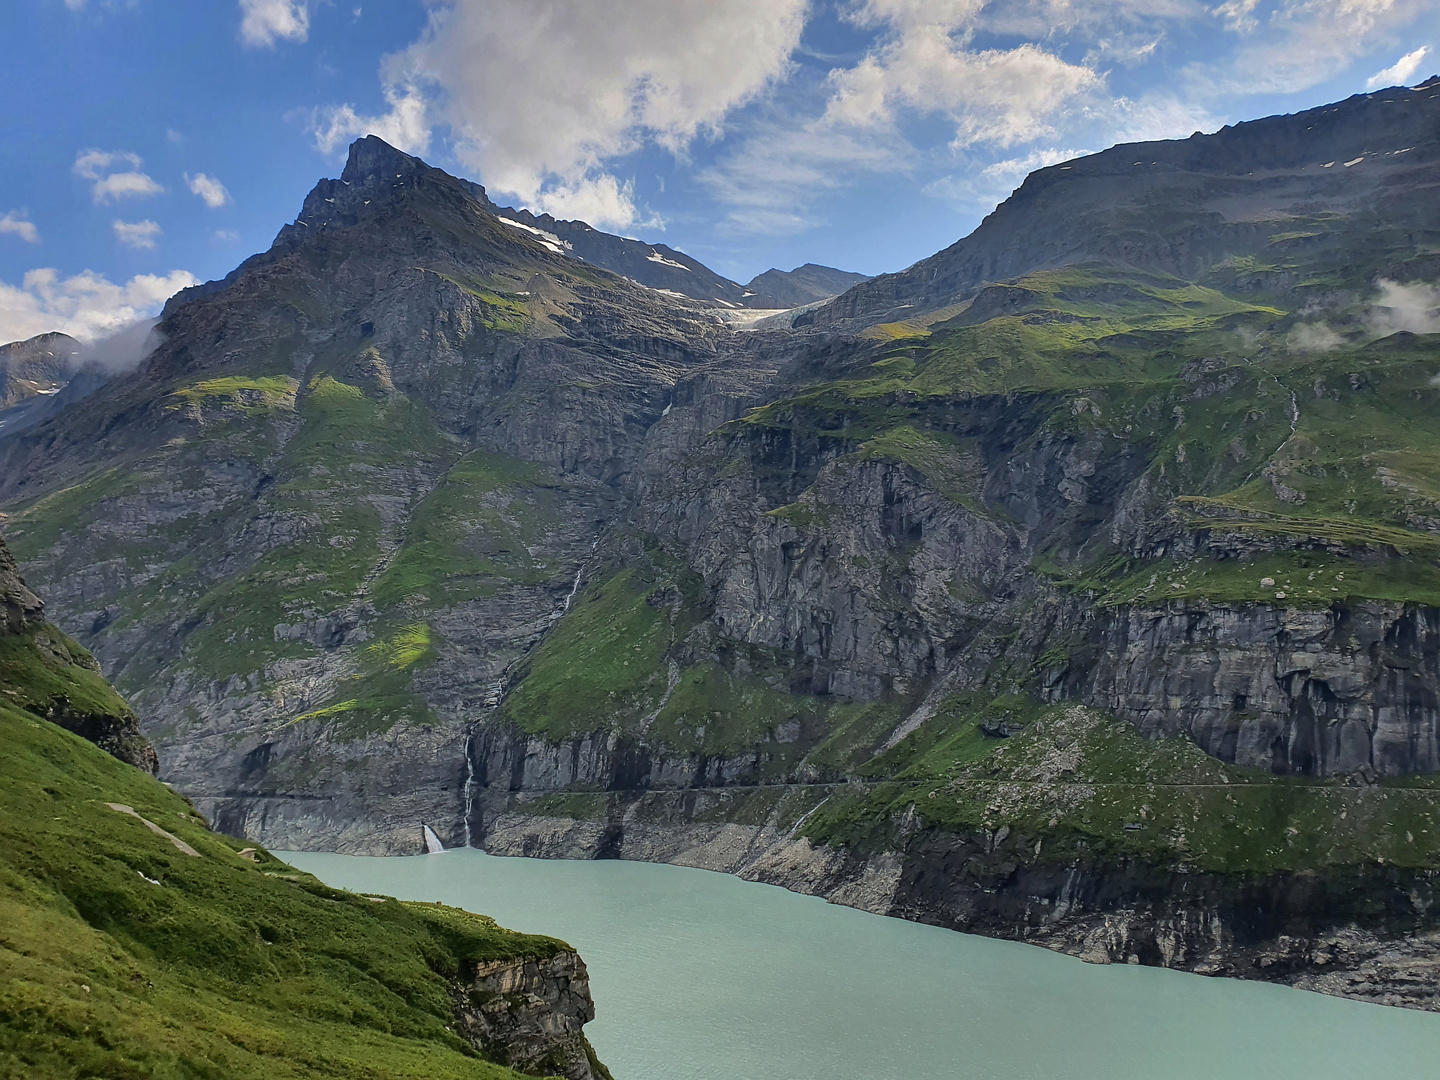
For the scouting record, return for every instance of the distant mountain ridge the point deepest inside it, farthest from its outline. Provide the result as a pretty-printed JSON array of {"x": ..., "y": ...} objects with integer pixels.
[
  {"x": 804, "y": 285},
  {"x": 1261, "y": 190}
]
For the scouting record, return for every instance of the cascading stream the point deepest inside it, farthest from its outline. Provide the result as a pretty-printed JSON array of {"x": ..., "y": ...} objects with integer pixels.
[{"x": 469, "y": 783}]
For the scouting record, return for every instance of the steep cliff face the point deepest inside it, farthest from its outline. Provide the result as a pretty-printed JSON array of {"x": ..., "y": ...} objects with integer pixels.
[
  {"x": 415, "y": 519},
  {"x": 528, "y": 1014},
  {"x": 48, "y": 674}
]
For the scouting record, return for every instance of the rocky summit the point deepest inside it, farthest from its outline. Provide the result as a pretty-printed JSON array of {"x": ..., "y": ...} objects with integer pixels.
[{"x": 1079, "y": 585}]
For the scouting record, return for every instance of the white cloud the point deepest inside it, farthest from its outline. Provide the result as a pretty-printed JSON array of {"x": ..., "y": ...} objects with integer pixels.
[
  {"x": 228, "y": 236},
  {"x": 926, "y": 64},
  {"x": 111, "y": 186},
  {"x": 778, "y": 171},
  {"x": 1239, "y": 15},
  {"x": 92, "y": 164},
  {"x": 125, "y": 185},
  {"x": 1307, "y": 42},
  {"x": 540, "y": 97},
  {"x": 264, "y": 22},
  {"x": 1159, "y": 117},
  {"x": 1414, "y": 307},
  {"x": 1313, "y": 338},
  {"x": 1398, "y": 73},
  {"x": 86, "y": 306},
  {"x": 406, "y": 126},
  {"x": 18, "y": 225},
  {"x": 985, "y": 188},
  {"x": 137, "y": 234},
  {"x": 75, "y": 5},
  {"x": 599, "y": 199},
  {"x": 209, "y": 189}
]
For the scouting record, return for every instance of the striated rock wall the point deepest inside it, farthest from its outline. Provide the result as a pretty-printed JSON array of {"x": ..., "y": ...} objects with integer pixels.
[
  {"x": 528, "y": 1014},
  {"x": 1353, "y": 689}
]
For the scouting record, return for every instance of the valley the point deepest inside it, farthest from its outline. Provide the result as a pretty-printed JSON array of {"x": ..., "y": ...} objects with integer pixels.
[{"x": 1077, "y": 585}]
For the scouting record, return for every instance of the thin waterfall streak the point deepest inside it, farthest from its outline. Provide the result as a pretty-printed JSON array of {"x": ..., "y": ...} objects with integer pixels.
[
  {"x": 469, "y": 782},
  {"x": 575, "y": 585}
]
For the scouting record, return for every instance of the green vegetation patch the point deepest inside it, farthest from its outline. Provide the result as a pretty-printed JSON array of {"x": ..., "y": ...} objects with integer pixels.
[
  {"x": 1075, "y": 782},
  {"x": 121, "y": 957},
  {"x": 42, "y": 669},
  {"x": 476, "y": 531},
  {"x": 601, "y": 668},
  {"x": 713, "y": 711},
  {"x": 380, "y": 695},
  {"x": 952, "y": 468},
  {"x": 248, "y": 394}
]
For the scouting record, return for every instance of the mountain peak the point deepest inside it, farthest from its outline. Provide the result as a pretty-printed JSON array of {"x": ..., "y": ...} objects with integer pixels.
[{"x": 372, "y": 159}]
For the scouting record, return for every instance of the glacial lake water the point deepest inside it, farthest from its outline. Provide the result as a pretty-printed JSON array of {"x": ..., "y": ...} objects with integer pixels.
[{"x": 701, "y": 976}]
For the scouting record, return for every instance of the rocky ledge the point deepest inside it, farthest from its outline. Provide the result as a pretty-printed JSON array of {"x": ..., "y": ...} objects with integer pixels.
[{"x": 529, "y": 1014}]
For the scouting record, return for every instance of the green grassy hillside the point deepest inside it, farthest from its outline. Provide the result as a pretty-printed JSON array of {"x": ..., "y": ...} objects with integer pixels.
[{"x": 122, "y": 956}]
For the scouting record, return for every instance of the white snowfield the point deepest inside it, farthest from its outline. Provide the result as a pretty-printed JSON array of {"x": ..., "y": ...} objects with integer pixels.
[
  {"x": 656, "y": 257},
  {"x": 549, "y": 239}
]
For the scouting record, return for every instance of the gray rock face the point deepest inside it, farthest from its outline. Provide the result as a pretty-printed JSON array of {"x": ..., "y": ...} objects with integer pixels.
[
  {"x": 20, "y": 607},
  {"x": 36, "y": 366},
  {"x": 529, "y": 1015},
  {"x": 1352, "y": 690},
  {"x": 805, "y": 284}
]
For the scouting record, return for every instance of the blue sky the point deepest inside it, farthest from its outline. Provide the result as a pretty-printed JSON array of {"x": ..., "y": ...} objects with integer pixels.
[{"x": 145, "y": 144}]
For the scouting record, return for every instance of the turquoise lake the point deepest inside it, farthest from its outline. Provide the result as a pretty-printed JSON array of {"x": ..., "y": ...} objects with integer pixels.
[{"x": 701, "y": 976}]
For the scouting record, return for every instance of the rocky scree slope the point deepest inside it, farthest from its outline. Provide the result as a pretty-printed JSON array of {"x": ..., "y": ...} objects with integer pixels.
[
  {"x": 1096, "y": 608},
  {"x": 140, "y": 943}
]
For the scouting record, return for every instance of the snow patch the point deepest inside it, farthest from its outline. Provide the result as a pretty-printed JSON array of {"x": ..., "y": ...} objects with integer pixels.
[
  {"x": 549, "y": 239},
  {"x": 656, "y": 257}
]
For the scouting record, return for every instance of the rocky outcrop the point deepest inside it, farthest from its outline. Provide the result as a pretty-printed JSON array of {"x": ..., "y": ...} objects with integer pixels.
[
  {"x": 1352, "y": 689},
  {"x": 528, "y": 1014},
  {"x": 45, "y": 672},
  {"x": 20, "y": 608}
]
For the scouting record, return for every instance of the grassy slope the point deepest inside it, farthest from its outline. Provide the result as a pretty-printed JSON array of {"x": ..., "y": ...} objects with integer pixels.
[
  {"x": 1208, "y": 386},
  {"x": 215, "y": 966},
  {"x": 1089, "y": 783}
]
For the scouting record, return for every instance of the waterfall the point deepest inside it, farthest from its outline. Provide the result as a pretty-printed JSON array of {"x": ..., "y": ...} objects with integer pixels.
[
  {"x": 574, "y": 588},
  {"x": 469, "y": 783},
  {"x": 433, "y": 846},
  {"x": 575, "y": 585}
]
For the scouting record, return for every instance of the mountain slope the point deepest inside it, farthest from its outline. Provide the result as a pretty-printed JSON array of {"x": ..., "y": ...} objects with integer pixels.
[
  {"x": 137, "y": 942},
  {"x": 286, "y": 461},
  {"x": 804, "y": 285},
  {"x": 38, "y": 365},
  {"x": 1301, "y": 204}
]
